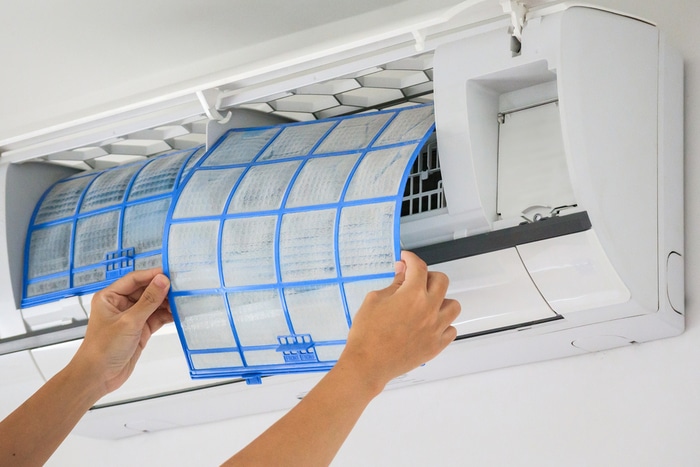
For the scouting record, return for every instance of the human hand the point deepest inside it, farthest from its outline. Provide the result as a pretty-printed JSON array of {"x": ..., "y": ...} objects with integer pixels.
[
  {"x": 123, "y": 317},
  {"x": 402, "y": 326},
  {"x": 395, "y": 330}
]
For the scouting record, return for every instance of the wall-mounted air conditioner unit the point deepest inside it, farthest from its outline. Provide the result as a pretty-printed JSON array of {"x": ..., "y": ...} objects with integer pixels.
[{"x": 551, "y": 194}]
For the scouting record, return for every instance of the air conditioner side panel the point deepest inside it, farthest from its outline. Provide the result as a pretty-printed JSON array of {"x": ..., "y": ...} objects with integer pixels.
[
  {"x": 21, "y": 187},
  {"x": 671, "y": 200}
]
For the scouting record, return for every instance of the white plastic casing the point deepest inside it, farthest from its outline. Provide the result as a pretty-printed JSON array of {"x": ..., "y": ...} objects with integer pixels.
[{"x": 21, "y": 188}]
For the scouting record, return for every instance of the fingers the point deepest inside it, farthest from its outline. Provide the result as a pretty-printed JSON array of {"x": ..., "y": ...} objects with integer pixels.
[
  {"x": 416, "y": 273},
  {"x": 159, "y": 318},
  {"x": 449, "y": 311},
  {"x": 400, "y": 270},
  {"x": 399, "y": 276},
  {"x": 152, "y": 298},
  {"x": 448, "y": 335},
  {"x": 133, "y": 281},
  {"x": 437, "y": 283}
]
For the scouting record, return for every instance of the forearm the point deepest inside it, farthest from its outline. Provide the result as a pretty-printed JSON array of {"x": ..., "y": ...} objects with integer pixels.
[
  {"x": 123, "y": 318},
  {"x": 323, "y": 420},
  {"x": 30, "y": 434}
]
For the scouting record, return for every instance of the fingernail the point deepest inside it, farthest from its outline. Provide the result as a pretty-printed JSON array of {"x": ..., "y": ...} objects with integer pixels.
[
  {"x": 399, "y": 267},
  {"x": 161, "y": 281}
]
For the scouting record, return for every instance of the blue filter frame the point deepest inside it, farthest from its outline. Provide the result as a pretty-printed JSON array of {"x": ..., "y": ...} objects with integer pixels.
[
  {"x": 278, "y": 233},
  {"x": 92, "y": 228}
]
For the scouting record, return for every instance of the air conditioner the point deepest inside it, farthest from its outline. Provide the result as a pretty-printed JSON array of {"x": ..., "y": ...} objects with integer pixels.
[{"x": 556, "y": 205}]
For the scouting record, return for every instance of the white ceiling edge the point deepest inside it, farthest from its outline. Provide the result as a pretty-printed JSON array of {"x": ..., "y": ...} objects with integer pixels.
[
  {"x": 207, "y": 68},
  {"x": 171, "y": 94}
]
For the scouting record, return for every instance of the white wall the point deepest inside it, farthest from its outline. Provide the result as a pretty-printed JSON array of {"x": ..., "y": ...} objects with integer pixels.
[{"x": 633, "y": 406}]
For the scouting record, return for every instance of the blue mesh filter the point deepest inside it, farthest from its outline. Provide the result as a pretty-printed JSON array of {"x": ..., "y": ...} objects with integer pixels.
[
  {"x": 90, "y": 229},
  {"x": 278, "y": 233}
]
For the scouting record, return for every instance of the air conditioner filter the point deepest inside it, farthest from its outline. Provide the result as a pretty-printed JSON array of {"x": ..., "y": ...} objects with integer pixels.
[
  {"x": 89, "y": 229},
  {"x": 277, "y": 234}
]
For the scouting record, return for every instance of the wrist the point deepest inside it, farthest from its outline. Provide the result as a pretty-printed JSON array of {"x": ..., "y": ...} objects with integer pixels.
[
  {"x": 357, "y": 370},
  {"x": 89, "y": 373}
]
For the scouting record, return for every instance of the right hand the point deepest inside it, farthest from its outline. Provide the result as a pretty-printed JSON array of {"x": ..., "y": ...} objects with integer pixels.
[
  {"x": 402, "y": 326},
  {"x": 123, "y": 317}
]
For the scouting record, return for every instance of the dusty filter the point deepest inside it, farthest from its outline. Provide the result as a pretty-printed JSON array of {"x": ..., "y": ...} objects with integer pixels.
[
  {"x": 93, "y": 227},
  {"x": 278, "y": 233}
]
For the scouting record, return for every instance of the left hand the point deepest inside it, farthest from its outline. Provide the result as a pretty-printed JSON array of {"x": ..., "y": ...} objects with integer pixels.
[{"x": 123, "y": 317}]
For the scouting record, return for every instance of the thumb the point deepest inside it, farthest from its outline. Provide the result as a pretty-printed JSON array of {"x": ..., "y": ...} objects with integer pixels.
[
  {"x": 152, "y": 297},
  {"x": 399, "y": 276}
]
